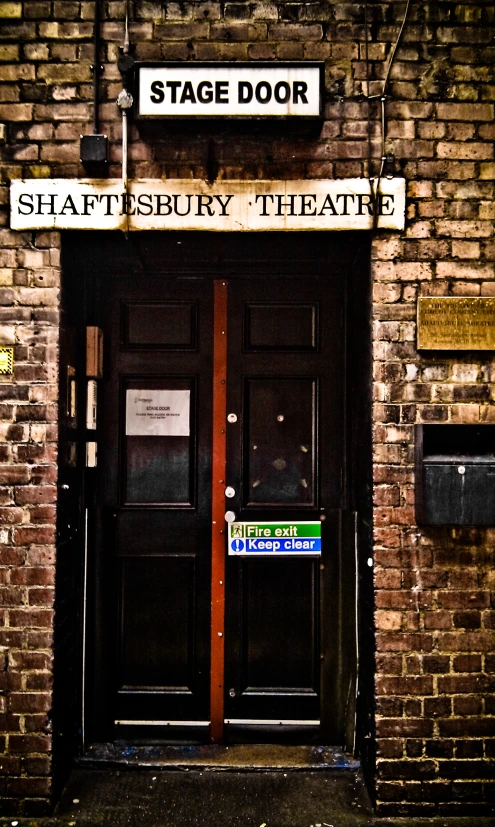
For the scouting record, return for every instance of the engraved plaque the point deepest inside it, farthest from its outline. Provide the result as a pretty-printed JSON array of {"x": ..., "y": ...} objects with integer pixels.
[{"x": 456, "y": 324}]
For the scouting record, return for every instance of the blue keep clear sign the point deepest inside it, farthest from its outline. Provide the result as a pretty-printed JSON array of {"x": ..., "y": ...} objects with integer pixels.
[{"x": 275, "y": 539}]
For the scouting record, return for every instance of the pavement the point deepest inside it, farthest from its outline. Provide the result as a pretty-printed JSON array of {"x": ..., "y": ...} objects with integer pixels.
[{"x": 112, "y": 788}]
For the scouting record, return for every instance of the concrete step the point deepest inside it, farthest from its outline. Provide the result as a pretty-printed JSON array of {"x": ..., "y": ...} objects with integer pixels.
[{"x": 239, "y": 757}]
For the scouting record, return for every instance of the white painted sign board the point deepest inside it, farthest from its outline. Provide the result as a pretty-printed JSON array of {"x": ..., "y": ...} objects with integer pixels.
[
  {"x": 249, "y": 206},
  {"x": 240, "y": 90},
  {"x": 157, "y": 412}
]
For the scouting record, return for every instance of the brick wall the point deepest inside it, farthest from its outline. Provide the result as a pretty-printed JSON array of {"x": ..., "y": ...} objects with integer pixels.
[
  {"x": 434, "y": 623},
  {"x": 28, "y": 436}
]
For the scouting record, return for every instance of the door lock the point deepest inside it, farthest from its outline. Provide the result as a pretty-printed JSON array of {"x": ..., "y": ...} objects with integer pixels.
[{"x": 230, "y": 492}]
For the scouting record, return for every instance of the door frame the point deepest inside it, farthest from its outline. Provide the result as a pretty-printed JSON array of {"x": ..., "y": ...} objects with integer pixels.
[{"x": 351, "y": 250}]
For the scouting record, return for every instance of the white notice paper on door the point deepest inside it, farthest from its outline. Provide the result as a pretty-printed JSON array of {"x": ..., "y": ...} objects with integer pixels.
[{"x": 157, "y": 413}]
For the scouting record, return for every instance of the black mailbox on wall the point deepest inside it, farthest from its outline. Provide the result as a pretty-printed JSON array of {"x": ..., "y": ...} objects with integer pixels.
[{"x": 455, "y": 474}]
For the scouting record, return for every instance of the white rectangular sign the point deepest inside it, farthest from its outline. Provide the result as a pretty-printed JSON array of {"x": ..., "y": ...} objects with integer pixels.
[
  {"x": 157, "y": 413},
  {"x": 212, "y": 90},
  {"x": 345, "y": 204}
]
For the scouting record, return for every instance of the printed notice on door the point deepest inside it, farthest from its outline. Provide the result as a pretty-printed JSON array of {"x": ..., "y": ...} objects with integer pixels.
[{"x": 157, "y": 413}]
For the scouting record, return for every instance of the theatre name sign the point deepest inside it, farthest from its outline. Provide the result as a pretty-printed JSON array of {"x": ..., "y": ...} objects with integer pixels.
[{"x": 106, "y": 204}]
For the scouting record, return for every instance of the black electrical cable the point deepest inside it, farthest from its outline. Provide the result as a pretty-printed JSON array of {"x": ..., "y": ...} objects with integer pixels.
[
  {"x": 394, "y": 48},
  {"x": 367, "y": 63},
  {"x": 97, "y": 68},
  {"x": 382, "y": 97}
]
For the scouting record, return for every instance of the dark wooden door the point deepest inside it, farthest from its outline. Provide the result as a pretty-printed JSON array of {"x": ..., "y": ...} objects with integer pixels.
[
  {"x": 285, "y": 463},
  {"x": 285, "y": 454}
]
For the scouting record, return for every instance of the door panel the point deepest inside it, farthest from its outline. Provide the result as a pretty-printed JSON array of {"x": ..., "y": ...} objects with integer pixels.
[
  {"x": 279, "y": 425},
  {"x": 157, "y": 469},
  {"x": 157, "y": 635},
  {"x": 278, "y": 652}
]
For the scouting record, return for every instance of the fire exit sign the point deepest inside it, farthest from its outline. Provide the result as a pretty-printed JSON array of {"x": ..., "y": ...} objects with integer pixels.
[
  {"x": 235, "y": 90},
  {"x": 274, "y": 539}
]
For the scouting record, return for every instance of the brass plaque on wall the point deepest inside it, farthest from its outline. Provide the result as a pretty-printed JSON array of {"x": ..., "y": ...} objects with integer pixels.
[{"x": 456, "y": 324}]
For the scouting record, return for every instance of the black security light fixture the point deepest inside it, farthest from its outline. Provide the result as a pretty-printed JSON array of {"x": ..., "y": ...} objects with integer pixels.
[
  {"x": 388, "y": 170},
  {"x": 94, "y": 148}
]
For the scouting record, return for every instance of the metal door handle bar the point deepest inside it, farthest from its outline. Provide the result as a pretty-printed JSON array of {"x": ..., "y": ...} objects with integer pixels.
[
  {"x": 269, "y": 722},
  {"x": 161, "y": 723}
]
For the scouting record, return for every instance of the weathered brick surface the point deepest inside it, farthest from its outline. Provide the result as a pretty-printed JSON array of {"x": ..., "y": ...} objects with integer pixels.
[
  {"x": 435, "y": 717},
  {"x": 27, "y": 515}
]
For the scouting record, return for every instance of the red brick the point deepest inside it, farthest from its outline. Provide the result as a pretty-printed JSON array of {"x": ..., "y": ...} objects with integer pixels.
[
  {"x": 467, "y": 642},
  {"x": 29, "y": 535},
  {"x": 406, "y": 769},
  {"x": 467, "y": 663},
  {"x": 31, "y": 618},
  {"x": 404, "y": 727},
  {"x": 465, "y": 111},
  {"x": 29, "y": 744},
  {"x": 410, "y": 685},
  {"x": 31, "y": 576},
  {"x": 28, "y": 702}
]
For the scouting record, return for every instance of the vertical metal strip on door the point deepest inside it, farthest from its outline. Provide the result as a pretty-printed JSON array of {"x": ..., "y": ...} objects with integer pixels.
[{"x": 218, "y": 511}]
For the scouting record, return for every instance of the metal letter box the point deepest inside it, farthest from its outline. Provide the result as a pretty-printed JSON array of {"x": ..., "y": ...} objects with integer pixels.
[{"x": 455, "y": 474}]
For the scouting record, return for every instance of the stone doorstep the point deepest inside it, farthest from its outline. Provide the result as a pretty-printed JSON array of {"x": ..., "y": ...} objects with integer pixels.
[
  {"x": 242, "y": 757},
  {"x": 374, "y": 821}
]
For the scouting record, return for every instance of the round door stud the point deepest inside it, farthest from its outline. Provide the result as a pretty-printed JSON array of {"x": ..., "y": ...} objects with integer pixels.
[
  {"x": 230, "y": 492},
  {"x": 232, "y": 417},
  {"x": 230, "y": 517},
  {"x": 280, "y": 418},
  {"x": 461, "y": 469}
]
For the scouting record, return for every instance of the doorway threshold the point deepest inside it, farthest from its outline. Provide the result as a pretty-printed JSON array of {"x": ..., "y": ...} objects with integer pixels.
[{"x": 210, "y": 757}]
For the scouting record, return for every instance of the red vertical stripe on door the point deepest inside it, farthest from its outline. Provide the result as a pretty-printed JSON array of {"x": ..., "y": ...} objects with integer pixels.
[{"x": 218, "y": 512}]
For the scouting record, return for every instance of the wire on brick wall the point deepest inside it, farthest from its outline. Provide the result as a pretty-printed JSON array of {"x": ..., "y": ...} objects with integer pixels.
[
  {"x": 97, "y": 69},
  {"x": 125, "y": 99},
  {"x": 125, "y": 46},
  {"x": 382, "y": 97}
]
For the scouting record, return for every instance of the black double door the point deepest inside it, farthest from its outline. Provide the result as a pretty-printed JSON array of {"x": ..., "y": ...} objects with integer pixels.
[{"x": 285, "y": 448}]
